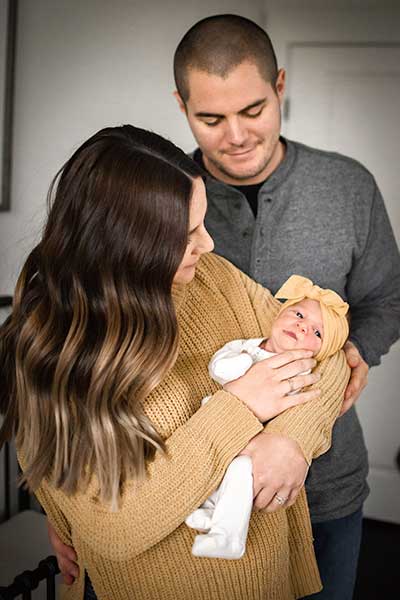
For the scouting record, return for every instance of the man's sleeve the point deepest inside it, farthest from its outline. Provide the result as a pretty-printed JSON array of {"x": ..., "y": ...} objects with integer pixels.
[{"x": 373, "y": 288}]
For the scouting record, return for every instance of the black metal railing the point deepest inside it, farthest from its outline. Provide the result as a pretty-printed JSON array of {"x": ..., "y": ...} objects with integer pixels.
[{"x": 26, "y": 582}]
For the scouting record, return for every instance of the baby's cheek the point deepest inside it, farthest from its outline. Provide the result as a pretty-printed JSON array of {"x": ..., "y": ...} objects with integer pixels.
[{"x": 314, "y": 344}]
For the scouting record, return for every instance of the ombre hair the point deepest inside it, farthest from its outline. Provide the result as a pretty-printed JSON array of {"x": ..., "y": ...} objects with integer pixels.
[{"x": 93, "y": 328}]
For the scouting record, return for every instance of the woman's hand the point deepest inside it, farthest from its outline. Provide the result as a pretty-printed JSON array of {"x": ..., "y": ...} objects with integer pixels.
[
  {"x": 279, "y": 470},
  {"x": 66, "y": 556},
  {"x": 266, "y": 385}
]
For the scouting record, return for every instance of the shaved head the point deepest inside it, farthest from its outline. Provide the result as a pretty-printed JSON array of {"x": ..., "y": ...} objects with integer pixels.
[{"x": 218, "y": 44}]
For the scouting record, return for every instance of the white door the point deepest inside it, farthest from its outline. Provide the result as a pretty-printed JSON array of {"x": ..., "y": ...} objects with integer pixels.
[{"x": 347, "y": 99}]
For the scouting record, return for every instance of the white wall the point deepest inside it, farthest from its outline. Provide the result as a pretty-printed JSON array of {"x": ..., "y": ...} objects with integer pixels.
[
  {"x": 350, "y": 21},
  {"x": 82, "y": 66}
]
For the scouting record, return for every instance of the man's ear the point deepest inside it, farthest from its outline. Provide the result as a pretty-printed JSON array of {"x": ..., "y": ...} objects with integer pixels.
[
  {"x": 181, "y": 104},
  {"x": 280, "y": 85}
]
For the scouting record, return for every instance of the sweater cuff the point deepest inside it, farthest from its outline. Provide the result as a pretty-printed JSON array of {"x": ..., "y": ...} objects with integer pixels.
[
  {"x": 227, "y": 423},
  {"x": 310, "y": 424}
]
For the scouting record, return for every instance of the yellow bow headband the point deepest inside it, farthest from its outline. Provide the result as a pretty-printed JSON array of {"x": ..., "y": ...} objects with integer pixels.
[{"x": 333, "y": 308}]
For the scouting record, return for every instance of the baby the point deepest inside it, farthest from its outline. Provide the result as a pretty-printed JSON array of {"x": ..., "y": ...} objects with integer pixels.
[{"x": 311, "y": 318}]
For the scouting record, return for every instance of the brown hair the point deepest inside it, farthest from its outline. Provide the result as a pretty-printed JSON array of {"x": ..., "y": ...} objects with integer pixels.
[
  {"x": 93, "y": 328},
  {"x": 220, "y": 43}
]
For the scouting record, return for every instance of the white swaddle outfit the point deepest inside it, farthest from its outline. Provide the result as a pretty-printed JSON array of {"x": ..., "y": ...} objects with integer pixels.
[{"x": 225, "y": 515}]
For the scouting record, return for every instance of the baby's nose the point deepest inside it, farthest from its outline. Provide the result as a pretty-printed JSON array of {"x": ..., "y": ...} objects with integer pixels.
[{"x": 302, "y": 326}]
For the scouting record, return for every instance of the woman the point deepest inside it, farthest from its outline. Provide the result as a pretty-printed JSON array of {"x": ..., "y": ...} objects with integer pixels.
[{"x": 116, "y": 314}]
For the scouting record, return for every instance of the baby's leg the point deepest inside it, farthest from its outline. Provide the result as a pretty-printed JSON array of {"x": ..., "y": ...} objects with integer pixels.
[
  {"x": 200, "y": 519},
  {"x": 230, "y": 520}
]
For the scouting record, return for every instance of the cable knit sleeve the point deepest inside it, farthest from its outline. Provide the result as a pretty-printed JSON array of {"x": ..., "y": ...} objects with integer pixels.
[
  {"x": 198, "y": 454},
  {"x": 309, "y": 424}
]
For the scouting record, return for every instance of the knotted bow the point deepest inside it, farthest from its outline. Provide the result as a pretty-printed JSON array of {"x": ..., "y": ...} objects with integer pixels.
[
  {"x": 333, "y": 308},
  {"x": 297, "y": 288}
]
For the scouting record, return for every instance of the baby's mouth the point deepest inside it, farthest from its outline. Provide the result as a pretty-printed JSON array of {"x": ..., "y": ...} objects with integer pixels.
[{"x": 291, "y": 334}]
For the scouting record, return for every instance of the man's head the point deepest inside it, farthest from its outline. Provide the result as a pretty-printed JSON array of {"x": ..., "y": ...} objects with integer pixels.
[
  {"x": 218, "y": 44},
  {"x": 230, "y": 89}
]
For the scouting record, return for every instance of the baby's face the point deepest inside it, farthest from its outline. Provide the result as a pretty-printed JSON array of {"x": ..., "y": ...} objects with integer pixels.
[{"x": 298, "y": 326}]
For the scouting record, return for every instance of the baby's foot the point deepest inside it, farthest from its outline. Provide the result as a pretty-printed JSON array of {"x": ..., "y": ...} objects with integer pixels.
[
  {"x": 200, "y": 519},
  {"x": 218, "y": 545}
]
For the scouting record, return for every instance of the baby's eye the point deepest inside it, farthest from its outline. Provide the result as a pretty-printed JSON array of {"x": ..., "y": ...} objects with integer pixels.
[
  {"x": 299, "y": 314},
  {"x": 318, "y": 333}
]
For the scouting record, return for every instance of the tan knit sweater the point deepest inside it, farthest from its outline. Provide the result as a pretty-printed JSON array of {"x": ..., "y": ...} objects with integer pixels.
[{"x": 143, "y": 551}]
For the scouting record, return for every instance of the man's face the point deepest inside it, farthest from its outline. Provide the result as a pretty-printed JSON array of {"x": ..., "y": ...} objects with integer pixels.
[{"x": 236, "y": 121}]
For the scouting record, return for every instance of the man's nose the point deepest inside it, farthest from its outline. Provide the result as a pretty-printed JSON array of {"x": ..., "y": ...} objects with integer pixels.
[{"x": 235, "y": 131}]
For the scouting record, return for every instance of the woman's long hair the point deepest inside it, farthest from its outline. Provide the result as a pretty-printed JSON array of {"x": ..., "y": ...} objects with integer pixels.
[{"x": 93, "y": 328}]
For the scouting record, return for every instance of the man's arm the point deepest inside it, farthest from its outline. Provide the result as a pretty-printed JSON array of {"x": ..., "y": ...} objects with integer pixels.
[
  {"x": 373, "y": 288},
  {"x": 373, "y": 291}
]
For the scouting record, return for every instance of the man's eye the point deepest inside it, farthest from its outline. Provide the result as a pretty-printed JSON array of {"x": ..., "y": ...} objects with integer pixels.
[
  {"x": 211, "y": 123},
  {"x": 253, "y": 115},
  {"x": 298, "y": 314}
]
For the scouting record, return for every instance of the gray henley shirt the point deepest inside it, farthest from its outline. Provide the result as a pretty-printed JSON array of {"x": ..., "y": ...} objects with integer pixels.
[{"x": 321, "y": 215}]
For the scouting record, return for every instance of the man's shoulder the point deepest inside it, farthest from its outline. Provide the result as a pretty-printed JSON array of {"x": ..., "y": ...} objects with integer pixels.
[{"x": 329, "y": 161}]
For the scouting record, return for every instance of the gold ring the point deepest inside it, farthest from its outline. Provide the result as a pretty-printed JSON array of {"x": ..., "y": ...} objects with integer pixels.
[
  {"x": 292, "y": 386},
  {"x": 280, "y": 499}
]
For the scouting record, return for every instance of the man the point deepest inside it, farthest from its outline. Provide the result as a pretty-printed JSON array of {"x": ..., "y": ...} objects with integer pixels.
[{"x": 275, "y": 208}]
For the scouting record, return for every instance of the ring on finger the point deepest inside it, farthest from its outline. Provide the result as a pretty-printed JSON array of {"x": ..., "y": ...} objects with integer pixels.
[
  {"x": 280, "y": 499},
  {"x": 292, "y": 386}
]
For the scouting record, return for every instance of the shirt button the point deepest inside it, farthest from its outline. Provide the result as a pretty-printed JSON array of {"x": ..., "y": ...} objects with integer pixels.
[{"x": 269, "y": 200}]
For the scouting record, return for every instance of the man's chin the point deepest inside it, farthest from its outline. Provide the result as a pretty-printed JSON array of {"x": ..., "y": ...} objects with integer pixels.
[{"x": 240, "y": 174}]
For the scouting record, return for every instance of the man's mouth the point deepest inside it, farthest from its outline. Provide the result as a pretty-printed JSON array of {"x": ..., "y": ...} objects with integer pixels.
[{"x": 240, "y": 153}]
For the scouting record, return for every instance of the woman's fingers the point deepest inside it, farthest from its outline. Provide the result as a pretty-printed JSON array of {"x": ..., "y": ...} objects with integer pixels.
[
  {"x": 300, "y": 398},
  {"x": 289, "y": 356},
  {"x": 68, "y": 568},
  {"x": 294, "y": 384},
  {"x": 66, "y": 556},
  {"x": 293, "y": 369}
]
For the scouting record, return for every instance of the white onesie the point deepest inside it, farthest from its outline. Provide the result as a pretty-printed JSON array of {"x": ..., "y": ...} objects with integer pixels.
[{"x": 225, "y": 515}]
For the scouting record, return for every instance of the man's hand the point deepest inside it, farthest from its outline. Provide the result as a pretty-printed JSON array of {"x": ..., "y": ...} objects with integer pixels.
[
  {"x": 358, "y": 377},
  {"x": 279, "y": 470},
  {"x": 66, "y": 556}
]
